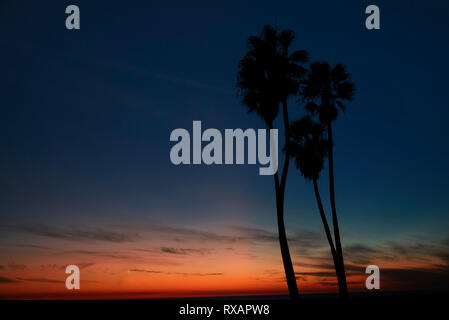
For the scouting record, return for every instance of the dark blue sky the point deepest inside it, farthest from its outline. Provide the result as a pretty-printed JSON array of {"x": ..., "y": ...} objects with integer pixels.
[{"x": 86, "y": 115}]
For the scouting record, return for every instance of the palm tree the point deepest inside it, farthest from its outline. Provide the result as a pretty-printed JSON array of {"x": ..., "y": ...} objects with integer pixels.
[
  {"x": 309, "y": 148},
  {"x": 326, "y": 90},
  {"x": 268, "y": 75}
]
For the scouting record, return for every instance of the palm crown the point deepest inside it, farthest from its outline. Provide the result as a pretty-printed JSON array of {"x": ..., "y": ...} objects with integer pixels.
[
  {"x": 326, "y": 89},
  {"x": 269, "y": 73},
  {"x": 308, "y": 147}
]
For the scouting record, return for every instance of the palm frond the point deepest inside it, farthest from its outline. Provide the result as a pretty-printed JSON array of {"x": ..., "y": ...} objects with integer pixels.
[
  {"x": 325, "y": 90},
  {"x": 267, "y": 74}
]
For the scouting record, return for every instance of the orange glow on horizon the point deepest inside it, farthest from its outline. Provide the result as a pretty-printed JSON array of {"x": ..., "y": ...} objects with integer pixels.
[{"x": 162, "y": 266}]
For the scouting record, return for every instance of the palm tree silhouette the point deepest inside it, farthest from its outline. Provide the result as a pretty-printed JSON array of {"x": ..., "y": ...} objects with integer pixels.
[
  {"x": 309, "y": 148},
  {"x": 325, "y": 90},
  {"x": 268, "y": 74}
]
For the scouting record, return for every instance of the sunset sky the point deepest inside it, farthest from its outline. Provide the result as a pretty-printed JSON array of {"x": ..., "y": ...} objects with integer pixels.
[{"x": 86, "y": 177}]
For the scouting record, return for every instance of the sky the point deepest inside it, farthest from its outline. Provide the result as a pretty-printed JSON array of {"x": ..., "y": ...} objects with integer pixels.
[{"x": 86, "y": 177}]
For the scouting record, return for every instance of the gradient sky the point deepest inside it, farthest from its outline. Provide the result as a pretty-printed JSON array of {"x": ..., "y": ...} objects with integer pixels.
[{"x": 85, "y": 174}]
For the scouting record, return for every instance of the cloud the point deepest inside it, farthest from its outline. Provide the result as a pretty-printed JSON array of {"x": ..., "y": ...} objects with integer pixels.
[
  {"x": 422, "y": 278},
  {"x": 445, "y": 242},
  {"x": 326, "y": 270},
  {"x": 74, "y": 233},
  {"x": 432, "y": 251},
  {"x": 180, "y": 234},
  {"x": 303, "y": 239},
  {"x": 317, "y": 274},
  {"x": 245, "y": 254},
  {"x": 361, "y": 254},
  {"x": 254, "y": 234},
  {"x": 185, "y": 274},
  {"x": 7, "y": 280},
  {"x": 329, "y": 266},
  {"x": 31, "y": 246},
  {"x": 43, "y": 280},
  {"x": 15, "y": 266},
  {"x": 443, "y": 256},
  {"x": 105, "y": 254},
  {"x": 300, "y": 238},
  {"x": 139, "y": 71},
  {"x": 84, "y": 265},
  {"x": 153, "y": 251},
  {"x": 273, "y": 272},
  {"x": 191, "y": 83},
  {"x": 197, "y": 274},
  {"x": 183, "y": 251},
  {"x": 431, "y": 254},
  {"x": 157, "y": 259},
  {"x": 309, "y": 243},
  {"x": 146, "y": 271},
  {"x": 359, "y": 248}
]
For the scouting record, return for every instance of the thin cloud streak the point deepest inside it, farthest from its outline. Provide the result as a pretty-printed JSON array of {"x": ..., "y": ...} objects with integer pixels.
[
  {"x": 75, "y": 233},
  {"x": 7, "y": 280},
  {"x": 186, "y": 274},
  {"x": 184, "y": 251},
  {"x": 43, "y": 280},
  {"x": 192, "y": 83}
]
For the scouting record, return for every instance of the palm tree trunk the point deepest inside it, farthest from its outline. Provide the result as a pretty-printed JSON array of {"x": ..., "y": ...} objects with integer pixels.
[
  {"x": 342, "y": 276},
  {"x": 285, "y": 252},
  {"x": 325, "y": 224},
  {"x": 337, "y": 266},
  {"x": 280, "y": 193}
]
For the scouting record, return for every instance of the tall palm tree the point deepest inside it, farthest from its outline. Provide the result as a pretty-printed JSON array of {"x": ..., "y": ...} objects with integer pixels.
[
  {"x": 326, "y": 90},
  {"x": 309, "y": 148},
  {"x": 268, "y": 75}
]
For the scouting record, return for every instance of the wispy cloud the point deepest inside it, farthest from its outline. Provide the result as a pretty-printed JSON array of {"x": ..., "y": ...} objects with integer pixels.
[
  {"x": 185, "y": 251},
  {"x": 429, "y": 254},
  {"x": 422, "y": 278},
  {"x": 180, "y": 234},
  {"x": 15, "y": 266},
  {"x": 304, "y": 237},
  {"x": 192, "y": 83},
  {"x": 360, "y": 248},
  {"x": 31, "y": 246},
  {"x": 146, "y": 271},
  {"x": 254, "y": 234},
  {"x": 197, "y": 274},
  {"x": 144, "y": 71},
  {"x": 106, "y": 254},
  {"x": 43, "y": 280},
  {"x": 185, "y": 274},
  {"x": 74, "y": 233},
  {"x": 7, "y": 280},
  {"x": 84, "y": 265},
  {"x": 418, "y": 250}
]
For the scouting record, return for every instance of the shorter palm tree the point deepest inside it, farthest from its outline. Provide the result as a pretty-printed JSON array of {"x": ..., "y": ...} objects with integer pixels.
[
  {"x": 326, "y": 91},
  {"x": 309, "y": 148}
]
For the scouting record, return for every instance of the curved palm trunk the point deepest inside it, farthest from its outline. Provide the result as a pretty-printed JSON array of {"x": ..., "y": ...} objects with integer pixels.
[
  {"x": 325, "y": 224},
  {"x": 285, "y": 252},
  {"x": 341, "y": 272},
  {"x": 280, "y": 192},
  {"x": 338, "y": 271}
]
